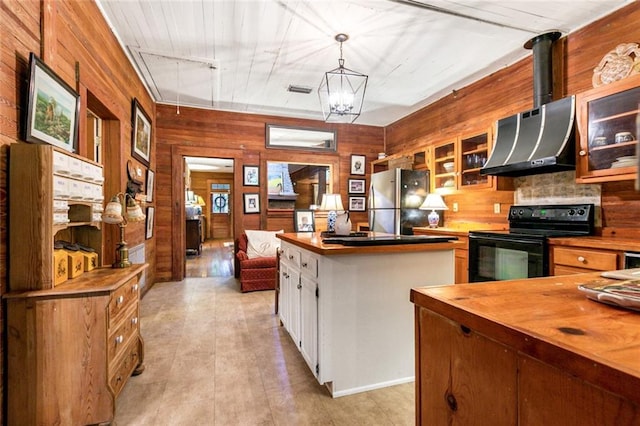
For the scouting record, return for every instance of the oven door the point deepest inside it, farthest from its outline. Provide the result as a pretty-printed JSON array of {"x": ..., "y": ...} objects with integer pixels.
[{"x": 494, "y": 257}]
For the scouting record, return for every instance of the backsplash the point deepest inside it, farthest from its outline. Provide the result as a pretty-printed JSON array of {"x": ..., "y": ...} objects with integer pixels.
[{"x": 557, "y": 188}]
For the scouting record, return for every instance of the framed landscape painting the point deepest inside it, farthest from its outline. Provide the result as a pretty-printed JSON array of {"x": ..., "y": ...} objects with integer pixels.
[
  {"x": 53, "y": 108},
  {"x": 140, "y": 134}
]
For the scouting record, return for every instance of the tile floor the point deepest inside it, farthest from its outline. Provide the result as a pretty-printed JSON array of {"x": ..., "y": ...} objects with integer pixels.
[{"x": 215, "y": 356}]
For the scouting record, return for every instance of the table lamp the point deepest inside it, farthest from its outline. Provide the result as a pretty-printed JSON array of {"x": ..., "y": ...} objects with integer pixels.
[
  {"x": 433, "y": 202},
  {"x": 121, "y": 210},
  {"x": 331, "y": 203}
]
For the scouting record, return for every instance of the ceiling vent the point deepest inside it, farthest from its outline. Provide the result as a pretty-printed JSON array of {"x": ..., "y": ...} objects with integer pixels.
[{"x": 299, "y": 89}]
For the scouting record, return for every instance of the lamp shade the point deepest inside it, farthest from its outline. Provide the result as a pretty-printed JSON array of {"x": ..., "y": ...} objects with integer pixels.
[
  {"x": 434, "y": 202},
  {"x": 134, "y": 211},
  {"x": 331, "y": 202},
  {"x": 113, "y": 212}
]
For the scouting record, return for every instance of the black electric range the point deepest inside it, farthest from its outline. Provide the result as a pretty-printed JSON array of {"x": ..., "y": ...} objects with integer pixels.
[{"x": 522, "y": 250}]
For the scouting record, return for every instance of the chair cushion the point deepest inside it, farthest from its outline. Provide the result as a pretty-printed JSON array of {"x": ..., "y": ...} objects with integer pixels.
[{"x": 262, "y": 243}]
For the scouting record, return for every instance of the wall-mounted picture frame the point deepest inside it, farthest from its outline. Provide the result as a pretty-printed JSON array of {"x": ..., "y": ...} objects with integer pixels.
[
  {"x": 150, "y": 218},
  {"x": 251, "y": 175},
  {"x": 150, "y": 183},
  {"x": 53, "y": 108},
  {"x": 304, "y": 220},
  {"x": 357, "y": 204},
  {"x": 357, "y": 186},
  {"x": 140, "y": 133},
  {"x": 358, "y": 164},
  {"x": 251, "y": 203}
]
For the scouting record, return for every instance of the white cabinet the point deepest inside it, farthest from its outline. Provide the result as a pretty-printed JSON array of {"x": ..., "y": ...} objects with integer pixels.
[
  {"x": 309, "y": 311},
  {"x": 299, "y": 302}
]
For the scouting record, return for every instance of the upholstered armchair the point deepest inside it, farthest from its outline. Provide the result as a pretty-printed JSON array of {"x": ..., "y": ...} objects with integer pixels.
[{"x": 255, "y": 271}]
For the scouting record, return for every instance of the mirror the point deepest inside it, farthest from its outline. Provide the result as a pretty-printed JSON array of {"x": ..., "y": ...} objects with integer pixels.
[
  {"x": 296, "y": 185},
  {"x": 300, "y": 138}
]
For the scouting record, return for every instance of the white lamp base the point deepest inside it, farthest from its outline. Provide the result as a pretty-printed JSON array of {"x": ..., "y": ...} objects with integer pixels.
[{"x": 433, "y": 218}]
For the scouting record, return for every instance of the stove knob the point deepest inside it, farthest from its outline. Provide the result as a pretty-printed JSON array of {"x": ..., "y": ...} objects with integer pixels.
[
  {"x": 572, "y": 212},
  {"x": 520, "y": 212},
  {"x": 581, "y": 212}
]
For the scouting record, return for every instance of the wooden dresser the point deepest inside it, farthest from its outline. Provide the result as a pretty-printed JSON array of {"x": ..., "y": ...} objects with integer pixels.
[{"x": 72, "y": 348}]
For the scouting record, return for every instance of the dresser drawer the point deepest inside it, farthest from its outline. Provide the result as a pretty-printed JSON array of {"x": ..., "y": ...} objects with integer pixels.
[
  {"x": 121, "y": 371},
  {"x": 125, "y": 296},
  {"x": 585, "y": 259},
  {"x": 291, "y": 256},
  {"x": 120, "y": 335},
  {"x": 308, "y": 265}
]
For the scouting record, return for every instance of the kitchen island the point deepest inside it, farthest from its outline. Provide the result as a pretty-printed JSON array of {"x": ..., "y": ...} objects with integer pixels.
[
  {"x": 526, "y": 352},
  {"x": 347, "y": 308}
]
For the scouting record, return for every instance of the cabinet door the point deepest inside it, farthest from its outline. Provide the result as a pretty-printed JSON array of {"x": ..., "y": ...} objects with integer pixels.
[
  {"x": 445, "y": 166},
  {"x": 474, "y": 151},
  {"x": 543, "y": 399},
  {"x": 284, "y": 305},
  {"x": 463, "y": 378},
  {"x": 608, "y": 126},
  {"x": 309, "y": 323},
  {"x": 294, "y": 305}
]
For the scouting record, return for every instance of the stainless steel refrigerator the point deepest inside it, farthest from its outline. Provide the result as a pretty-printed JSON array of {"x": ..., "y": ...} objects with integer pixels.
[{"x": 394, "y": 199}]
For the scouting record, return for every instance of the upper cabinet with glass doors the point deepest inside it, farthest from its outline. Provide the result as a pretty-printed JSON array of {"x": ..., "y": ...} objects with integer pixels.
[
  {"x": 457, "y": 162},
  {"x": 608, "y": 127}
]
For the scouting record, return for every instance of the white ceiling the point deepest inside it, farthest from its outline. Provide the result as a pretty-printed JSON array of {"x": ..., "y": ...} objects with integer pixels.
[{"x": 242, "y": 55}]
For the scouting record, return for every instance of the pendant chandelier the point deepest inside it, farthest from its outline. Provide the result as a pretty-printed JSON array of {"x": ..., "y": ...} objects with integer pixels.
[{"x": 341, "y": 91}]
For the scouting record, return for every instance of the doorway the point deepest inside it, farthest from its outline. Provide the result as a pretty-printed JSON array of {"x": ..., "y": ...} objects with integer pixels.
[{"x": 209, "y": 195}]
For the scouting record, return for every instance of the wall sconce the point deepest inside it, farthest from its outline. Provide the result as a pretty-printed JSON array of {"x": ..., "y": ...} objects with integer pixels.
[
  {"x": 121, "y": 210},
  {"x": 433, "y": 202}
]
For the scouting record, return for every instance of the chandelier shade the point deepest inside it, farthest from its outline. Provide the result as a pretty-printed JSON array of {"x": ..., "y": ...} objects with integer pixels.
[{"x": 341, "y": 91}]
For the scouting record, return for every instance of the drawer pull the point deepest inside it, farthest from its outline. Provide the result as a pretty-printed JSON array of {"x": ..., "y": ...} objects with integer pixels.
[
  {"x": 119, "y": 300},
  {"x": 134, "y": 320},
  {"x": 581, "y": 259},
  {"x": 119, "y": 339},
  {"x": 134, "y": 288},
  {"x": 290, "y": 257},
  {"x": 305, "y": 264},
  {"x": 582, "y": 153},
  {"x": 299, "y": 286}
]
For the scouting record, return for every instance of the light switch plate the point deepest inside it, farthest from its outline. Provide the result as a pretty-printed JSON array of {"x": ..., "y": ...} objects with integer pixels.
[
  {"x": 455, "y": 207},
  {"x": 496, "y": 208}
]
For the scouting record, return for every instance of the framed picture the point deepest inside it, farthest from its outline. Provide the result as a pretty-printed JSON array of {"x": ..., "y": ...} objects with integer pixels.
[
  {"x": 358, "y": 164},
  {"x": 149, "y": 191},
  {"x": 251, "y": 175},
  {"x": 150, "y": 216},
  {"x": 356, "y": 186},
  {"x": 304, "y": 220},
  {"x": 140, "y": 134},
  {"x": 53, "y": 108},
  {"x": 251, "y": 203},
  {"x": 357, "y": 204}
]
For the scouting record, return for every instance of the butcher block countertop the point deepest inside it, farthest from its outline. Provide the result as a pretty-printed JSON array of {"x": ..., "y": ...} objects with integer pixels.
[
  {"x": 313, "y": 242},
  {"x": 605, "y": 243},
  {"x": 549, "y": 319}
]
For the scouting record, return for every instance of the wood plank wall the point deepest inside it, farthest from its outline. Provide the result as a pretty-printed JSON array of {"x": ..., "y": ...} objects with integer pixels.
[
  {"x": 68, "y": 36},
  {"x": 477, "y": 106},
  {"x": 241, "y": 137}
]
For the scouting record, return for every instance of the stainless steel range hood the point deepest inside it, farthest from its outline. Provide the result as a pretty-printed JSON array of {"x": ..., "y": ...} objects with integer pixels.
[{"x": 540, "y": 140}]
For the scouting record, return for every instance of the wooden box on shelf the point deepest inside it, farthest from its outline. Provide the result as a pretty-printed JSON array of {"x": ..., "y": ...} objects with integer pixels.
[{"x": 608, "y": 126}]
